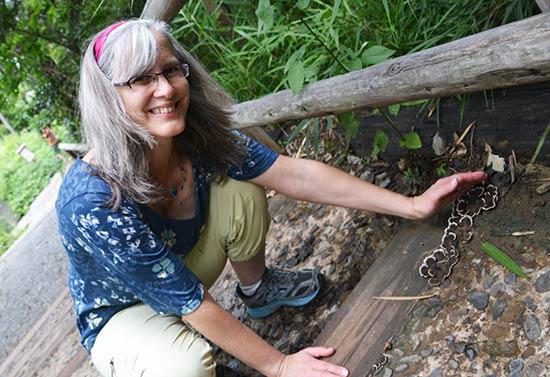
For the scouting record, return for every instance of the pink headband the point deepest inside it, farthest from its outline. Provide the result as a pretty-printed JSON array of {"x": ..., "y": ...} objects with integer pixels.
[{"x": 102, "y": 38}]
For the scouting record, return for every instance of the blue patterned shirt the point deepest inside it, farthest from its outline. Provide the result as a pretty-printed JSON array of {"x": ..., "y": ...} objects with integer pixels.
[{"x": 119, "y": 258}]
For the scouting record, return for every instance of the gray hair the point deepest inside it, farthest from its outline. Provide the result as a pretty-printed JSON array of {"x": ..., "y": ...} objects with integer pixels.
[{"x": 121, "y": 146}]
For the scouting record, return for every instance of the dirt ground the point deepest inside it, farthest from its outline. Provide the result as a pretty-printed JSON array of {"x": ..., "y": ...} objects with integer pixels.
[{"x": 483, "y": 321}]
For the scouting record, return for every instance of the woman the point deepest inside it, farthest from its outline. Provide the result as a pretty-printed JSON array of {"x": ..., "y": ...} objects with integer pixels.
[{"x": 166, "y": 194}]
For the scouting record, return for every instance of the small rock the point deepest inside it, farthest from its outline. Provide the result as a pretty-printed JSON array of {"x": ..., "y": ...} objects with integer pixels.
[
  {"x": 453, "y": 364},
  {"x": 426, "y": 352},
  {"x": 401, "y": 367},
  {"x": 489, "y": 282},
  {"x": 459, "y": 347},
  {"x": 397, "y": 354},
  {"x": 499, "y": 307},
  {"x": 533, "y": 370},
  {"x": 433, "y": 311},
  {"x": 510, "y": 278},
  {"x": 450, "y": 340},
  {"x": 367, "y": 175},
  {"x": 501, "y": 348},
  {"x": 515, "y": 365},
  {"x": 436, "y": 373},
  {"x": 497, "y": 288},
  {"x": 387, "y": 372},
  {"x": 478, "y": 299},
  {"x": 385, "y": 183},
  {"x": 354, "y": 160},
  {"x": 531, "y": 326},
  {"x": 412, "y": 359},
  {"x": 530, "y": 303},
  {"x": 470, "y": 352},
  {"x": 543, "y": 283},
  {"x": 233, "y": 363}
]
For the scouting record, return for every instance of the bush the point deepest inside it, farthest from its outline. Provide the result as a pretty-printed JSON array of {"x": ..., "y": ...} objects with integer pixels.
[{"x": 21, "y": 181}]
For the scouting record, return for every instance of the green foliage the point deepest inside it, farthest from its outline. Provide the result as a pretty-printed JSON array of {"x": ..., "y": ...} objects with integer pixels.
[
  {"x": 40, "y": 47},
  {"x": 7, "y": 236},
  {"x": 411, "y": 140},
  {"x": 502, "y": 258},
  {"x": 376, "y": 54},
  {"x": 21, "y": 181},
  {"x": 380, "y": 143},
  {"x": 442, "y": 170},
  {"x": 350, "y": 124}
]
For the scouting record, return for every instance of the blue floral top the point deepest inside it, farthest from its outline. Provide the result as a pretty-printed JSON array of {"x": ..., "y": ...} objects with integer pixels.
[{"x": 119, "y": 258}]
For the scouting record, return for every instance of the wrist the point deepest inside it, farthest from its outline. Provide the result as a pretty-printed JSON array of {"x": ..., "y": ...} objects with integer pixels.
[
  {"x": 277, "y": 367},
  {"x": 414, "y": 213}
]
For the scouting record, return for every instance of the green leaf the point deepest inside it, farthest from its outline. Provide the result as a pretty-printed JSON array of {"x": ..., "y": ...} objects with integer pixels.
[
  {"x": 355, "y": 64},
  {"x": 411, "y": 140},
  {"x": 295, "y": 56},
  {"x": 376, "y": 54},
  {"x": 266, "y": 15},
  {"x": 503, "y": 258},
  {"x": 394, "y": 109},
  {"x": 296, "y": 76},
  {"x": 302, "y": 4},
  {"x": 379, "y": 145},
  {"x": 350, "y": 124}
]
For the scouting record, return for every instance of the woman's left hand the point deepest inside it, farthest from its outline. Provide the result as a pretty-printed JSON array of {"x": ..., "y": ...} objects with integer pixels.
[{"x": 444, "y": 191}]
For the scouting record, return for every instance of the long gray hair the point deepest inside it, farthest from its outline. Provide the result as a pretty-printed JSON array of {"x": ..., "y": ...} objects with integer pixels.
[{"x": 121, "y": 147}]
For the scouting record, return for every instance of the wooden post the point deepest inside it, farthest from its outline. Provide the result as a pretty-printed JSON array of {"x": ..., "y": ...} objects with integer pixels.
[
  {"x": 6, "y": 123},
  {"x": 544, "y": 5},
  {"x": 166, "y": 10}
]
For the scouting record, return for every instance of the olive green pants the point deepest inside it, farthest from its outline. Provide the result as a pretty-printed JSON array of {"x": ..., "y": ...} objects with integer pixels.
[{"x": 138, "y": 342}]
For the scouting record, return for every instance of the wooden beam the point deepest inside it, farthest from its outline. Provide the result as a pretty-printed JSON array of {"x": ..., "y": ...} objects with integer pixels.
[
  {"x": 544, "y": 5},
  {"x": 363, "y": 325},
  {"x": 7, "y": 124},
  {"x": 164, "y": 10},
  {"x": 513, "y": 54}
]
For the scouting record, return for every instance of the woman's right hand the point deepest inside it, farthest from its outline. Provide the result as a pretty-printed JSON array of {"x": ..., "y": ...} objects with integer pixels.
[{"x": 306, "y": 363}]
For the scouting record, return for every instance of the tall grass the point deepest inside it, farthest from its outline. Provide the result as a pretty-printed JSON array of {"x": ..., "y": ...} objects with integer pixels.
[{"x": 256, "y": 55}]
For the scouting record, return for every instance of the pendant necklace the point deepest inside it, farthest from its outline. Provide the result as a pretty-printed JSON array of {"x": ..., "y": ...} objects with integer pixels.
[{"x": 175, "y": 190}]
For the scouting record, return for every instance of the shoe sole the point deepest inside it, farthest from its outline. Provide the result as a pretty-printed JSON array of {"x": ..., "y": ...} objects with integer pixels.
[{"x": 267, "y": 310}]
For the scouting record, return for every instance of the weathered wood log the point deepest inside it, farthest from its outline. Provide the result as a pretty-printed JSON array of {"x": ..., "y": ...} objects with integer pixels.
[
  {"x": 363, "y": 325},
  {"x": 509, "y": 55},
  {"x": 166, "y": 10},
  {"x": 508, "y": 119},
  {"x": 544, "y": 5}
]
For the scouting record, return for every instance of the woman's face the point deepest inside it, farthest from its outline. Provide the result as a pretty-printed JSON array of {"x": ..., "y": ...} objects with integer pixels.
[{"x": 161, "y": 106}]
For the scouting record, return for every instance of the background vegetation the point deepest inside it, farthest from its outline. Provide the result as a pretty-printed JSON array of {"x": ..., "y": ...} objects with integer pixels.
[{"x": 252, "y": 48}]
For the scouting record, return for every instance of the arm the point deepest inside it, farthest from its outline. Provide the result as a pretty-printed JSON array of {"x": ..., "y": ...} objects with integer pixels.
[
  {"x": 317, "y": 182},
  {"x": 235, "y": 338}
]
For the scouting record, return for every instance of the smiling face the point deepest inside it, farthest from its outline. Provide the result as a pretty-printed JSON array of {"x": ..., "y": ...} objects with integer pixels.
[{"x": 161, "y": 106}]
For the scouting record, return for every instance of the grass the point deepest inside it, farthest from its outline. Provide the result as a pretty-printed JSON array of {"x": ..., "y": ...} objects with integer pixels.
[{"x": 252, "y": 58}]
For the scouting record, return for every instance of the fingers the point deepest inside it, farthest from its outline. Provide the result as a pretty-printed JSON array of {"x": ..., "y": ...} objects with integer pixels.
[
  {"x": 324, "y": 366},
  {"x": 332, "y": 369}
]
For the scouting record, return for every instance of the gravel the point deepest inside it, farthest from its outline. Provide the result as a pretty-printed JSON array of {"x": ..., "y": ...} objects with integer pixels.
[
  {"x": 479, "y": 299},
  {"x": 543, "y": 283}
]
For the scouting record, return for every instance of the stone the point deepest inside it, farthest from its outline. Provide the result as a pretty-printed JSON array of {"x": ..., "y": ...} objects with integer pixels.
[
  {"x": 459, "y": 347},
  {"x": 367, "y": 175},
  {"x": 453, "y": 364},
  {"x": 489, "y": 282},
  {"x": 426, "y": 352},
  {"x": 412, "y": 359},
  {"x": 531, "y": 326},
  {"x": 401, "y": 368},
  {"x": 470, "y": 352},
  {"x": 497, "y": 288},
  {"x": 530, "y": 303},
  {"x": 542, "y": 284},
  {"x": 501, "y": 348},
  {"x": 397, "y": 354},
  {"x": 387, "y": 372},
  {"x": 543, "y": 189},
  {"x": 515, "y": 365},
  {"x": 478, "y": 299},
  {"x": 437, "y": 372},
  {"x": 533, "y": 370},
  {"x": 498, "y": 308},
  {"x": 510, "y": 278}
]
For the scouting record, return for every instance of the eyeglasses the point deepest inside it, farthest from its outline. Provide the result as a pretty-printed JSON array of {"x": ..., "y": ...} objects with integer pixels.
[{"x": 141, "y": 81}]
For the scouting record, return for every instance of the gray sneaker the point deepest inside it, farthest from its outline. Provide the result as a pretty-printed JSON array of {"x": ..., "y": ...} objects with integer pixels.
[{"x": 279, "y": 288}]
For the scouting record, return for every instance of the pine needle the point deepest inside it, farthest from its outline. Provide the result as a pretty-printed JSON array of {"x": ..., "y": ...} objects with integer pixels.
[{"x": 403, "y": 298}]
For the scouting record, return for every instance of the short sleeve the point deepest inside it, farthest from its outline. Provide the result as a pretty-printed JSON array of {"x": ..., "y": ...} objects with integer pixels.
[
  {"x": 257, "y": 160},
  {"x": 124, "y": 245}
]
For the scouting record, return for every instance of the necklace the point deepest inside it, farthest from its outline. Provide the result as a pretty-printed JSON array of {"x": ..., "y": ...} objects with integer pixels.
[{"x": 175, "y": 190}]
